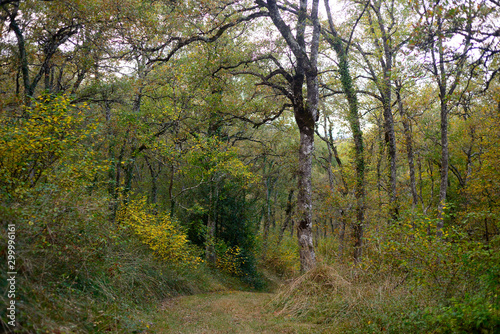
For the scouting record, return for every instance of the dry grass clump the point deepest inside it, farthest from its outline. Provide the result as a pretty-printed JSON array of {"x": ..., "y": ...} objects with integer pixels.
[{"x": 349, "y": 300}]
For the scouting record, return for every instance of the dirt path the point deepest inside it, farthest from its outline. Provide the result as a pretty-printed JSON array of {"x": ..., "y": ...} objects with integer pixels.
[{"x": 224, "y": 312}]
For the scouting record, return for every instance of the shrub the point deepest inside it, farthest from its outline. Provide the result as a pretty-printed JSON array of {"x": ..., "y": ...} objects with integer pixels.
[
  {"x": 40, "y": 142},
  {"x": 230, "y": 260},
  {"x": 160, "y": 232},
  {"x": 282, "y": 258},
  {"x": 473, "y": 314}
]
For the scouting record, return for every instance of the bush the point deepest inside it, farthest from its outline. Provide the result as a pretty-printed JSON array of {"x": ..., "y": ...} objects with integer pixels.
[
  {"x": 160, "y": 232},
  {"x": 410, "y": 281},
  {"x": 76, "y": 271},
  {"x": 229, "y": 259},
  {"x": 44, "y": 140},
  {"x": 281, "y": 258},
  {"x": 474, "y": 314}
]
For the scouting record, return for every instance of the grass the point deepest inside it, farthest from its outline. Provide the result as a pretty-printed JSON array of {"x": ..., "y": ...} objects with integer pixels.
[
  {"x": 225, "y": 312},
  {"x": 79, "y": 273},
  {"x": 397, "y": 294},
  {"x": 345, "y": 301}
]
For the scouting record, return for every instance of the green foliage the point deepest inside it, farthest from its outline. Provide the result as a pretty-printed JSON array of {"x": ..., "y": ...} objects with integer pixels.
[
  {"x": 449, "y": 269},
  {"x": 171, "y": 129},
  {"x": 410, "y": 282},
  {"x": 215, "y": 157},
  {"x": 475, "y": 313},
  {"x": 236, "y": 233},
  {"x": 281, "y": 258},
  {"x": 78, "y": 273},
  {"x": 441, "y": 264}
]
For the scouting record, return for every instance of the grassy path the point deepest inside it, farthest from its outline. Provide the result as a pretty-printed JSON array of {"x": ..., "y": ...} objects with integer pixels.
[{"x": 224, "y": 312}]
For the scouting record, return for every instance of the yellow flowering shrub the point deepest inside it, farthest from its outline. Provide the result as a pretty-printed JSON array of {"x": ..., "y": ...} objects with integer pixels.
[{"x": 160, "y": 232}]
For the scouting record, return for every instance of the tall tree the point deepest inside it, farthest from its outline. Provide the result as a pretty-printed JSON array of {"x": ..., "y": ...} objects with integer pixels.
[
  {"x": 40, "y": 29},
  {"x": 305, "y": 108},
  {"x": 447, "y": 65},
  {"x": 383, "y": 28},
  {"x": 405, "y": 120},
  {"x": 353, "y": 117}
]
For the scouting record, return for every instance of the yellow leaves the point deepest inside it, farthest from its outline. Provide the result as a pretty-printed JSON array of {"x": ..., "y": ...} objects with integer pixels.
[
  {"x": 414, "y": 247},
  {"x": 230, "y": 261},
  {"x": 31, "y": 146},
  {"x": 160, "y": 232},
  {"x": 483, "y": 185}
]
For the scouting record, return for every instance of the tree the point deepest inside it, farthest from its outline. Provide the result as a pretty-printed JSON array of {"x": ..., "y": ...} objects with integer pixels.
[
  {"x": 383, "y": 28},
  {"x": 447, "y": 65},
  {"x": 305, "y": 108},
  {"x": 353, "y": 118}
]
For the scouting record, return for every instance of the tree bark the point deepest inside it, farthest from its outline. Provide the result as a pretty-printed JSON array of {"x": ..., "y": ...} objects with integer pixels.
[
  {"x": 154, "y": 180},
  {"x": 409, "y": 145},
  {"x": 306, "y": 112},
  {"x": 22, "y": 55},
  {"x": 304, "y": 203},
  {"x": 354, "y": 123},
  {"x": 210, "y": 242},
  {"x": 443, "y": 187},
  {"x": 288, "y": 215}
]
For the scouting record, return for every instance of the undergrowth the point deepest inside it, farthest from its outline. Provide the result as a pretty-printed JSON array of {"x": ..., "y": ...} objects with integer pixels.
[
  {"x": 80, "y": 270},
  {"x": 79, "y": 273},
  {"x": 280, "y": 257},
  {"x": 409, "y": 282}
]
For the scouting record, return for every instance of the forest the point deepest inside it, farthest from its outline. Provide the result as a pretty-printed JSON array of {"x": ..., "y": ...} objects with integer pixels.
[{"x": 338, "y": 158}]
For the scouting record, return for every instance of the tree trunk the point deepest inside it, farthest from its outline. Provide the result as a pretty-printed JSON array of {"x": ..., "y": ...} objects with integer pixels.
[
  {"x": 409, "y": 146},
  {"x": 390, "y": 141},
  {"x": 154, "y": 180},
  {"x": 210, "y": 242},
  {"x": 333, "y": 154},
  {"x": 448, "y": 76},
  {"x": 306, "y": 112},
  {"x": 288, "y": 215},
  {"x": 381, "y": 149},
  {"x": 386, "y": 51},
  {"x": 444, "y": 168},
  {"x": 28, "y": 92},
  {"x": 353, "y": 118},
  {"x": 304, "y": 200},
  {"x": 267, "y": 217},
  {"x": 340, "y": 255}
]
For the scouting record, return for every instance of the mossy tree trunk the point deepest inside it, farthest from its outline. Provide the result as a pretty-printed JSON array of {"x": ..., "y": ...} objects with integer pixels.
[{"x": 354, "y": 123}]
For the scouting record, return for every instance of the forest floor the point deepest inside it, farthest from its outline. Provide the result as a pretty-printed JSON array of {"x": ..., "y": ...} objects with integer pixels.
[{"x": 225, "y": 312}]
